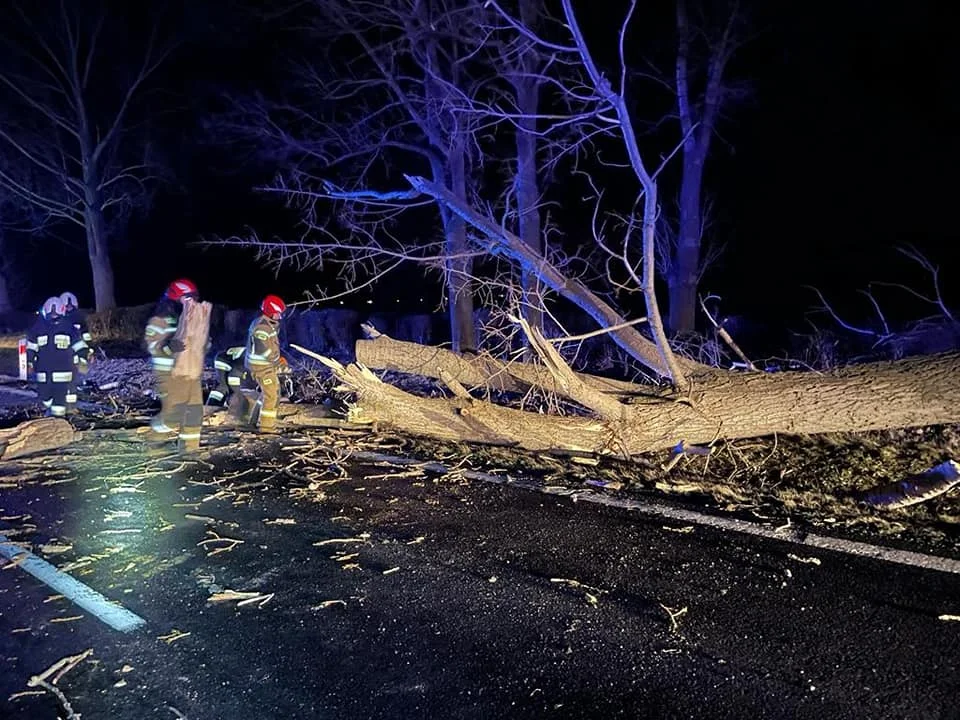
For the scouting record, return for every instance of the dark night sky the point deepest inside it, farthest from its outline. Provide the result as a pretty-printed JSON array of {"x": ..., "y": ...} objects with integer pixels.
[{"x": 845, "y": 150}]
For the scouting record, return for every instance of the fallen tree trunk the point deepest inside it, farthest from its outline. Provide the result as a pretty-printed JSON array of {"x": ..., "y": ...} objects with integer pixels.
[
  {"x": 385, "y": 353},
  {"x": 35, "y": 436},
  {"x": 876, "y": 396}
]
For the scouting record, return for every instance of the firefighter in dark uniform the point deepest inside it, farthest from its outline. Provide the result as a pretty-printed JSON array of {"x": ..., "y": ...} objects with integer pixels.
[
  {"x": 264, "y": 361},
  {"x": 71, "y": 312},
  {"x": 233, "y": 378},
  {"x": 163, "y": 347},
  {"x": 52, "y": 346}
]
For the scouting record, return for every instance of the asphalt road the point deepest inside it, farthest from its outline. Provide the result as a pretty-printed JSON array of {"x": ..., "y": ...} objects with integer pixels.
[{"x": 451, "y": 600}]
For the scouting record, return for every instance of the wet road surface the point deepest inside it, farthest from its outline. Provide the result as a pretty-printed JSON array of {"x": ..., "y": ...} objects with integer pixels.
[{"x": 388, "y": 595}]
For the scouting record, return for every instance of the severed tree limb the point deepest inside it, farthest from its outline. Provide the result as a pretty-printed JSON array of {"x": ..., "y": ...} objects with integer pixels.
[
  {"x": 385, "y": 353},
  {"x": 725, "y": 336},
  {"x": 571, "y": 385}
]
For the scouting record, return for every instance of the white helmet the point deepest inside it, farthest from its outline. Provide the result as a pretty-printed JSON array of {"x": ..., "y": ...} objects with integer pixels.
[
  {"x": 52, "y": 307},
  {"x": 69, "y": 301}
]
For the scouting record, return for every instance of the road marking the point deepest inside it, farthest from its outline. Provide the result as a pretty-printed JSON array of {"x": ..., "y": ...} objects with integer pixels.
[
  {"x": 671, "y": 512},
  {"x": 116, "y": 616}
]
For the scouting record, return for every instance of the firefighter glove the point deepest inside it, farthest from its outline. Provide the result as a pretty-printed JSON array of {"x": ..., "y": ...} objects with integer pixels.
[{"x": 176, "y": 345}]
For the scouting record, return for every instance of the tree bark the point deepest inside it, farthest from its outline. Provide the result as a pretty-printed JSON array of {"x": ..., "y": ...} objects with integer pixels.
[
  {"x": 99, "y": 255},
  {"x": 907, "y": 393},
  {"x": 527, "y": 88},
  {"x": 697, "y": 132},
  {"x": 481, "y": 371},
  {"x": 35, "y": 436},
  {"x": 459, "y": 263},
  {"x": 685, "y": 267},
  {"x": 193, "y": 330}
]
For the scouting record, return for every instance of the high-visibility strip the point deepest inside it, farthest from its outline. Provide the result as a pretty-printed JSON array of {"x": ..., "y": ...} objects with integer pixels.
[
  {"x": 233, "y": 380},
  {"x": 116, "y": 616},
  {"x": 162, "y": 362},
  {"x": 58, "y": 410},
  {"x": 189, "y": 436},
  {"x": 71, "y": 398},
  {"x": 159, "y": 427},
  {"x": 41, "y": 377},
  {"x": 78, "y": 345},
  {"x": 32, "y": 346},
  {"x": 161, "y": 330},
  {"x": 61, "y": 377},
  {"x": 220, "y": 365},
  {"x": 215, "y": 395}
]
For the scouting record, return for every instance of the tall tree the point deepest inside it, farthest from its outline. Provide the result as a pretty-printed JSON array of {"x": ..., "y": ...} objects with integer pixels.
[
  {"x": 701, "y": 90},
  {"x": 384, "y": 88},
  {"x": 71, "y": 76}
]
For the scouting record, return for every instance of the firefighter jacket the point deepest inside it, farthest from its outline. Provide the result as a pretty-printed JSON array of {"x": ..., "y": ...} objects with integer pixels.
[
  {"x": 263, "y": 344},
  {"x": 160, "y": 330},
  {"x": 79, "y": 322},
  {"x": 52, "y": 348},
  {"x": 232, "y": 373}
]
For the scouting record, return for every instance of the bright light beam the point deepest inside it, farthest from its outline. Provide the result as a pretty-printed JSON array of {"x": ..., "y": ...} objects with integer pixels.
[{"x": 116, "y": 616}]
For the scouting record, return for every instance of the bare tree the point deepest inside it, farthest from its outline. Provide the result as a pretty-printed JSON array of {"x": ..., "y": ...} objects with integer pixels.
[
  {"x": 71, "y": 99},
  {"x": 342, "y": 129},
  {"x": 703, "y": 405},
  {"x": 699, "y": 104}
]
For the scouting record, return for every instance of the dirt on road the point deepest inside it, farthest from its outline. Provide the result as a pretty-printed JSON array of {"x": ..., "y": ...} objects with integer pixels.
[{"x": 373, "y": 590}]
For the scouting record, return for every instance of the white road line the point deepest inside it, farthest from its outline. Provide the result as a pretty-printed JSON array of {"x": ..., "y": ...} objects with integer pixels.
[
  {"x": 665, "y": 510},
  {"x": 116, "y": 616}
]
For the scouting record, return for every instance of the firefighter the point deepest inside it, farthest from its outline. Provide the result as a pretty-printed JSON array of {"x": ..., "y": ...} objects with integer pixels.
[
  {"x": 52, "y": 347},
  {"x": 264, "y": 361},
  {"x": 234, "y": 377},
  {"x": 181, "y": 399},
  {"x": 71, "y": 312}
]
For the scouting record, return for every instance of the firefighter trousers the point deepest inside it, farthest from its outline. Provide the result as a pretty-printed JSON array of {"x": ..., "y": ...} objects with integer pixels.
[
  {"x": 269, "y": 385},
  {"x": 159, "y": 424},
  {"x": 183, "y": 411},
  {"x": 55, "y": 396}
]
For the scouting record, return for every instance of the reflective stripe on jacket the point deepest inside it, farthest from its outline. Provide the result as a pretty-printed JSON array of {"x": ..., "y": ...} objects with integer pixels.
[
  {"x": 263, "y": 343},
  {"x": 160, "y": 330}
]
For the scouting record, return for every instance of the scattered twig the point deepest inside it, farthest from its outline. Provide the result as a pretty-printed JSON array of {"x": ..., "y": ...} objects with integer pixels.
[
  {"x": 591, "y": 594},
  {"x": 674, "y": 615},
  {"x": 230, "y": 543},
  {"x": 343, "y": 541},
  {"x": 241, "y": 598},
  {"x": 58, "y": 670},
  {"x": 173, "y": 636}
]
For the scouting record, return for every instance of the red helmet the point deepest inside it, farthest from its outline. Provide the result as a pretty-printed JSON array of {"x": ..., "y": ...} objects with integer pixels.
[
  {"x": 179, "y": 289},
  {"x": 273, "y": 307}
]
